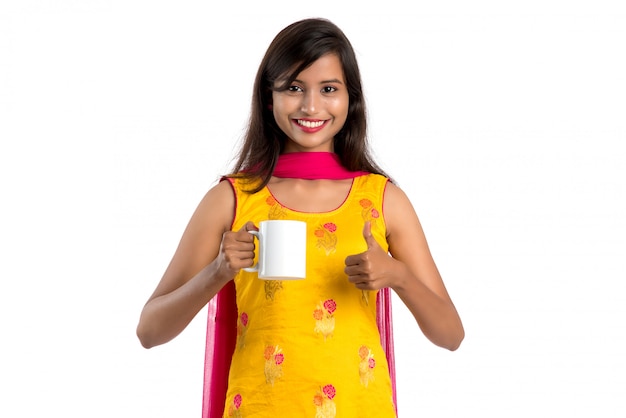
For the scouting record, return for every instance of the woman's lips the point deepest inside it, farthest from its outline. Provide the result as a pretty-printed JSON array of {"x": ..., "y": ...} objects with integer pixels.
[{"x": 309, "y": 125}]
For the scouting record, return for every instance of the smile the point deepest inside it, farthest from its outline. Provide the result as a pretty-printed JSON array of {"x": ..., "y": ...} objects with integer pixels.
[{"x": 310, "y": 123}]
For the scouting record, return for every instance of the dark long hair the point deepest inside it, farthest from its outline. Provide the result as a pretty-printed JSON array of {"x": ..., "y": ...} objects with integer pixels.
[{"x": 294, "y": 49}]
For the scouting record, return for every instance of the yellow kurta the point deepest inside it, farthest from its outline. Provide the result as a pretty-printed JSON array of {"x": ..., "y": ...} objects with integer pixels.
[{"x": 311, "y": 348}]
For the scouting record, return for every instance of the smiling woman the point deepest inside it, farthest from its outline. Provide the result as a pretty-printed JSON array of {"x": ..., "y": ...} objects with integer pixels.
[
  {"x": 321, "y": 346},
  {"x": 313, "y": 108}
]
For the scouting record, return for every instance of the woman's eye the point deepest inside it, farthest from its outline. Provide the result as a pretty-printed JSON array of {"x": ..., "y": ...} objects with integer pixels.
[
  {"x": 294, "y": 88},
  {"x": 329, "y": 89}
]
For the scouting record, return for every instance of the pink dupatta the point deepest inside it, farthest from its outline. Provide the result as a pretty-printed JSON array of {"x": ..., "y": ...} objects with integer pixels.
[{"x": 222, "y": 309}]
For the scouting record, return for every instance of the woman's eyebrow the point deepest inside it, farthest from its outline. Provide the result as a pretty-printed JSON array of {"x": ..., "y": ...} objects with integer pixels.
[{"x": 332, "y": 80}]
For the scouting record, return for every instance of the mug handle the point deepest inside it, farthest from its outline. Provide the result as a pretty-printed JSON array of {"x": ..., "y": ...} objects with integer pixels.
[{"x": 254, "y": 268}]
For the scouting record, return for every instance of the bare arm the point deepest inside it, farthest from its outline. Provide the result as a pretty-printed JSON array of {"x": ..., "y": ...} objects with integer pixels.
[
  {"x": 410, "y": 271},
  {"x": 208, "y": 256}
]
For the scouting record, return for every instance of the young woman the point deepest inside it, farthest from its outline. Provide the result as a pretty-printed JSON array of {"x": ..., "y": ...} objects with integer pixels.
[{"x": 308, "y": 347}]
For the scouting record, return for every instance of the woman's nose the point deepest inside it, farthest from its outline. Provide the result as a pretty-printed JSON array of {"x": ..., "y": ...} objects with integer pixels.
[{"x": 310, "y": 103}]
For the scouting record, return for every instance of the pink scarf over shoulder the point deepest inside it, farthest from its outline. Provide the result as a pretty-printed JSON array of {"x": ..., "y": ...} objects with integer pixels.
[{"x": 222, "y": 309}]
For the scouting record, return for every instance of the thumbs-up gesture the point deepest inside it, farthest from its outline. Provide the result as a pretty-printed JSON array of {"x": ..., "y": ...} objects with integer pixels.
[{"x": 372, "y": 269}]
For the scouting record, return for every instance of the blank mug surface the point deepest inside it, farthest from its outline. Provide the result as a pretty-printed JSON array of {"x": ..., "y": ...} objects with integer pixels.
[{"x": 282, "y": 250}]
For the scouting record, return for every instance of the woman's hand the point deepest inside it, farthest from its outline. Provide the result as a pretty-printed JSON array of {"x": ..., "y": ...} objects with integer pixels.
[
  {"x": 236, "y": 252},
  {"x": 373, "y": 269}
]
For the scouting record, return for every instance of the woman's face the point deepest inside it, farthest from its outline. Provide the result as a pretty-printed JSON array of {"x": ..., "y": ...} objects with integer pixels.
[{"x": 314, "y": 107}]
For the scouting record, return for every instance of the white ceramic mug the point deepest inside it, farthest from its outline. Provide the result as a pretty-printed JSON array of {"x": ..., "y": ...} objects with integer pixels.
[{"x": 282, "y": 250}]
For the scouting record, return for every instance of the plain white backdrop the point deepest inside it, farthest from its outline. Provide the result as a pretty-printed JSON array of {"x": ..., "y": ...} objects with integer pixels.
[{"x": 504, "y": 122}]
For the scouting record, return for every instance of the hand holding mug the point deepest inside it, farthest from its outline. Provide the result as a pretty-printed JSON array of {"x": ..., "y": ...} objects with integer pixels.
[{"x": 236, "y": 251}]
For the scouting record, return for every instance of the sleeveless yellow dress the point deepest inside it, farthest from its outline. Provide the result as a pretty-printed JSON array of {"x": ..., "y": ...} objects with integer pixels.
[{"x": 311, "y": 348}]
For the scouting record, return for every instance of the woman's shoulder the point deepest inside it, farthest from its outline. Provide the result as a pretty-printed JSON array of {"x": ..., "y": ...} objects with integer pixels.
[
  {"x": 229, "y": 189},
  {"x": 395, "y": 195},
  {"x": 241, "y": 182},
  {"x": 218, "y": 202},
  {"x": 397, "y": 206},
  {"x": 372, "y": 182}
]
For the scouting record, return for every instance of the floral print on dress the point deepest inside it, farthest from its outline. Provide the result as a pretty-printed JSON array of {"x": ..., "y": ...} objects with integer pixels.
[
  {"x": 233, "y": 408},
  {"x": 272, "y": 287},
  {"x": 326, "y": 238},
  {"x": 276, "y": 211},
  {"x": 366, "y": 365},
  {"x": 242, "y": 329},
  {"x": 369, "y": 212},
  {"x": 324, "y": 404},
  {"x": 274, "y": 359},
  {"x": 324, "y": 318}
]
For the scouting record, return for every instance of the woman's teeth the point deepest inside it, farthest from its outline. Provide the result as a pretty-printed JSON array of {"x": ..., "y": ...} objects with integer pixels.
[{"x": 310, "y": 124}]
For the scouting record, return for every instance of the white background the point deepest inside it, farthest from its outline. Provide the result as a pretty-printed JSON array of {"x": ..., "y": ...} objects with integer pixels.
[{"x": 504, "y": 121}]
